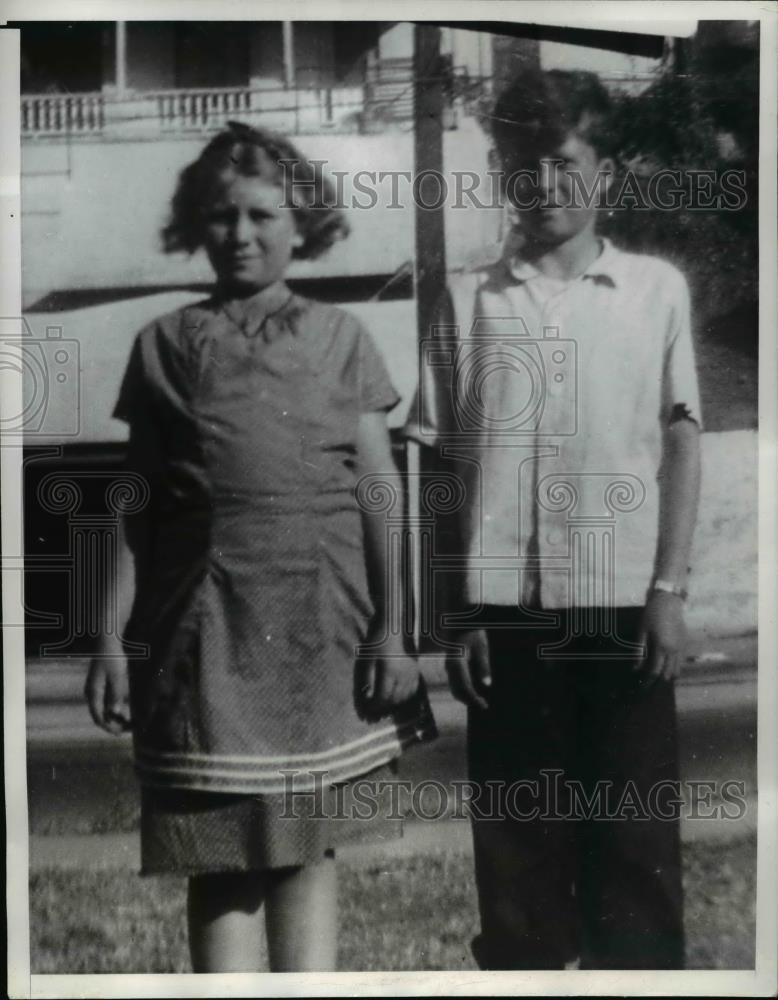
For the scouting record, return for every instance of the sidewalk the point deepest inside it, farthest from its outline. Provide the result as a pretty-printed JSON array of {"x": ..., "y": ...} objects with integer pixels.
[
  {"x": 121, "y": 851},
  {"x": 708, "y": 660},
  {"x": 75, "y": 767}
]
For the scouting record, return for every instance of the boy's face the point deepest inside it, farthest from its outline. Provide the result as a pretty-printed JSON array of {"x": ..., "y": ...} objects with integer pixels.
[{"x": 556, "y": 195}]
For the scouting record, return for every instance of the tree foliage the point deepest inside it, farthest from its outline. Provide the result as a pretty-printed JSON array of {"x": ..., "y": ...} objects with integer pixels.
[{"x": 705, "y": 118}]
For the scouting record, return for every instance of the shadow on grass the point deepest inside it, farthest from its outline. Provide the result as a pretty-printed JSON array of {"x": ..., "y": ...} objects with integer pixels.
[{"x": 416, "y": 913}]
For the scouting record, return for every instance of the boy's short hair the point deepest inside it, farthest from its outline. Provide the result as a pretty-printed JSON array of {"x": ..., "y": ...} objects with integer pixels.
[
  {"x": 539, "y": 110},
  {"x": 243, "y": 151}
]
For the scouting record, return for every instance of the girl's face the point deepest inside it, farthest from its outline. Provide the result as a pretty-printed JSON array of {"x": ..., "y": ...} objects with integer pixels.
[{"x": 248, "y": 236}]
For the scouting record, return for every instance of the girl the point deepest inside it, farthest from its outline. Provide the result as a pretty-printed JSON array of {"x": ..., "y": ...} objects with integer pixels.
[{"x": 251, "y": 416}]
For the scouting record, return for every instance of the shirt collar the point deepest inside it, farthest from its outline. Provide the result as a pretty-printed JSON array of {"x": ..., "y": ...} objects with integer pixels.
[{"x": 604, "y": 270}]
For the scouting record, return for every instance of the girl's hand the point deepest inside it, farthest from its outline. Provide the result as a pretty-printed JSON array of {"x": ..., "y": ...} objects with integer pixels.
[
  {"x": 385, "y": 680},
  {"x": 107, "y": 694},
  {"x": 663, "y": 633}
]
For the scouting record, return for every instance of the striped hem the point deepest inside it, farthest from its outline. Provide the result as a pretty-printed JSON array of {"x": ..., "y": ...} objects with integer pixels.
[{"x": 270, "y": 775}]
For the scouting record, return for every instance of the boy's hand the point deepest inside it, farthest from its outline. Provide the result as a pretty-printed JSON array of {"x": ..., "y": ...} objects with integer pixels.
[
  {"x": 386, "y": 679},
  {"x": 663, "y": 633},
  {"x": 107, "y": 694},
  {"x": 470, "y": 673}
]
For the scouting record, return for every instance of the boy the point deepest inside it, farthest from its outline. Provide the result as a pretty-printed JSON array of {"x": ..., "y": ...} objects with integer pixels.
[{"x": 559, "y": 386}]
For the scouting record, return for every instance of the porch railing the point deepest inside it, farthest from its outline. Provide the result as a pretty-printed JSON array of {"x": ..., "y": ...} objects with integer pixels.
[
  {"x": 56, "y": 114},
  {"x": 200, "y": 108},
  {"x": 154, "y": 112}
]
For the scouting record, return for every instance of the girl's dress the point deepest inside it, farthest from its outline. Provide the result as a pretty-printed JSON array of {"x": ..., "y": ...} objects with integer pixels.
[{"x": 251, "y": 586}]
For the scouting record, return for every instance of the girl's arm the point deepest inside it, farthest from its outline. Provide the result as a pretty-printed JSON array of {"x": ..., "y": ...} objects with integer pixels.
[
  {"x": 389, "y": 676},
  {"x": 663, "y": 625},
  {"x": 106, "y": 687}
]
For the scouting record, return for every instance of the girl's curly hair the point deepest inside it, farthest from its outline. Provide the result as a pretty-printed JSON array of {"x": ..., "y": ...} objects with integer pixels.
[{"x": 243, "y": 151}]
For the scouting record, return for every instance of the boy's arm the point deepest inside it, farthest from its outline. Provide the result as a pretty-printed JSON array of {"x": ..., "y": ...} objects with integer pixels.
[
  {"x": 432, "y": 416},
  {"x": 663, "y": 625},
  {"x": 469, "y": 673},
  {"x": 388, "y": 676},
  {"x": 679, "y": 498}
]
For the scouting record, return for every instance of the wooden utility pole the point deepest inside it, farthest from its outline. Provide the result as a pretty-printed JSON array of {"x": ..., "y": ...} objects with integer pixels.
[
  {"x": 430, "y": 280},
  {"x": 430, "y": 267}
]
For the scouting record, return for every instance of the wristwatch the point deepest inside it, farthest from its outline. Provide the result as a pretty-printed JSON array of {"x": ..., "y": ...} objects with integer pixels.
[{"x": 668, "y": 587}]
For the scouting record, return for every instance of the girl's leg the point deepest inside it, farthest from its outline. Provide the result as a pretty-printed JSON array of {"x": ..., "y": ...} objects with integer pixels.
[
  {"x": 225, "y": 921},
  {"x": 301, "y": 918}
]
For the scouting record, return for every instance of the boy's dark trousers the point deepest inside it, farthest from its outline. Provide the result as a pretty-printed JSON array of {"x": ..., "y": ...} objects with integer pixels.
[{"x": 551, "y": 890}]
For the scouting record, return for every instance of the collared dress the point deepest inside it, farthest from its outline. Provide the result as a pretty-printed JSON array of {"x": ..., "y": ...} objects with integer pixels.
[{"x": 251, "y": 587}]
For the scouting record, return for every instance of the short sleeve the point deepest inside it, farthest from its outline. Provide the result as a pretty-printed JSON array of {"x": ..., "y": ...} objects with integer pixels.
[
  {"x": 376, "y": 391},
  {"x": 431, "y": 412},
  {"x": 132, "y": 392},
  {"x": 680, "y": 388},
  {"x": 134, "y": 406},
  {"x": 143, "y": 457}
]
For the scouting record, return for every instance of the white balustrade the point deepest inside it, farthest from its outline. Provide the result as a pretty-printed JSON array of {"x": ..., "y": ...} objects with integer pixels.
[
  {"x": 55, "y": 114},
  {"x": 292, "y": 110}
]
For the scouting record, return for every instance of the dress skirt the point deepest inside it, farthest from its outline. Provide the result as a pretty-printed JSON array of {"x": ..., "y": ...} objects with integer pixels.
[{"x": 190, "y": 833}]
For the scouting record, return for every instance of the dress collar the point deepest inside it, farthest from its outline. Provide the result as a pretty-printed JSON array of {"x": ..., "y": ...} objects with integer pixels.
[
  {"x": 604, "y": 270},
  {"x": 251, "y": 313}
]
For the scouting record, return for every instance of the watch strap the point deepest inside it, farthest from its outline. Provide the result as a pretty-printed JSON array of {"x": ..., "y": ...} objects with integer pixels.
[{"x": 668, "y": 587}]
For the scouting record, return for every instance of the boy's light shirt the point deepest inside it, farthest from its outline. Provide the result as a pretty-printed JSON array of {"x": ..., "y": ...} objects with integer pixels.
[{"x": 555, "y": 424}]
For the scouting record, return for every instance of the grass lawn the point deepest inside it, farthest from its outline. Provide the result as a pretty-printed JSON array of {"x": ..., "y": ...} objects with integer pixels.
[{"x": 400, "y": 914}]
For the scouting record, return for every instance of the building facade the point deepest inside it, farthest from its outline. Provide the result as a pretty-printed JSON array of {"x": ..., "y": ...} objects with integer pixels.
[{"x": 112, "y": 111}]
